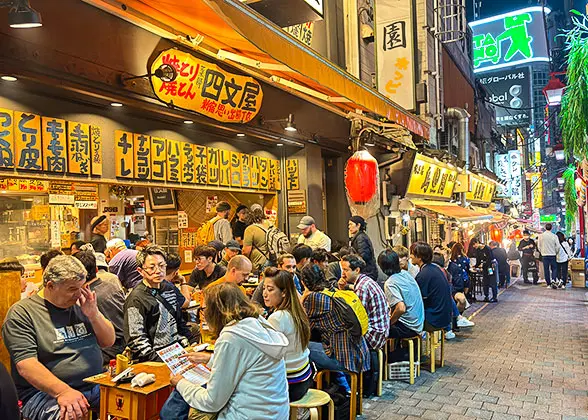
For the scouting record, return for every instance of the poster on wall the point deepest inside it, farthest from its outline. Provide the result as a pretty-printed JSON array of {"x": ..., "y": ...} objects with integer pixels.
[
  {"x": 395, "y": 51},
  {"x": 211, "y": 202},
  {"x": 162, "y": 199}
]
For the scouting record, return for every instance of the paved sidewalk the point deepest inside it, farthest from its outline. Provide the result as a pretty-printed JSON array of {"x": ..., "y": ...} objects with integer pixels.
[{"x": 526, "y": 358}]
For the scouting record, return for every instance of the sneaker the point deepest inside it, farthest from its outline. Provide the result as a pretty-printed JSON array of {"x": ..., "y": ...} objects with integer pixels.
[
  {"x": 486, "y": 299},
  {"x": 464, "y": 322},
  {"x": 553, "y": 285},
  {"x": 493, "y": 300},
  {"x": 449, "y": 335}
]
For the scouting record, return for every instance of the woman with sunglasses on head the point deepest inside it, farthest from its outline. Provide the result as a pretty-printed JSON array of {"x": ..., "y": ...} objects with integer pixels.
[{"x": 288, "y": 317}]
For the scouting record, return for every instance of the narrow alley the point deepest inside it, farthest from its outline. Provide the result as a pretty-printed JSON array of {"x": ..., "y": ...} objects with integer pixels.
[{"x": 526, "y": 358}]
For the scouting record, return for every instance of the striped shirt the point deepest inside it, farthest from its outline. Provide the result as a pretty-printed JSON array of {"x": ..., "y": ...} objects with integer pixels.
[
  {"x": 335, "y": 337},
  {"x": 374, "y": 301}
]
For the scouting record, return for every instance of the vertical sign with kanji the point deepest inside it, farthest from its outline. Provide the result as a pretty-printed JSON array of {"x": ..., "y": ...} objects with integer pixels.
[
  {"x": 235, "y": 169},
  {"x": 274, "y": 175},
  {"x": 264, "y": 173},
  {"x": 224, "y": 168},
  {"x": 173, "y": 161},
  {"x": 213, "y": 166},
  {"x": 96, "y": 145},
  {"x": 158, "y": 159},
  {"x": 54, "y": 145},
  {"x": 188, "y": 174},
  {"x": 200, "y": 164},
  {"x": 246, "y": 170},
  {"x": 78, "y": 148},
  {"x": 142, "y": 145},
  {"x": 6, "y": 139},
  {"x": 123, "y": 154},
  {"x": 254, "y": 172},
  {"x": 395, "y": 51},
  {"x": 28, "y": 141},
  {"x": 292, "y": 174}
]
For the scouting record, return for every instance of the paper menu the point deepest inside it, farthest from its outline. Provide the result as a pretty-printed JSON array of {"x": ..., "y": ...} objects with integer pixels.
[{"x": 170, "y": 355}]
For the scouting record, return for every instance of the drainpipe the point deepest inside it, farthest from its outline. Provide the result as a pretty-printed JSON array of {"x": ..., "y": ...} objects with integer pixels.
[{"x": 463, "y": 117}]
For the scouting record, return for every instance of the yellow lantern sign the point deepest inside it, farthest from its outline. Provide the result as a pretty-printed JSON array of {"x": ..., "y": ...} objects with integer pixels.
[
  {"x": 431, "y": 178},
  {"x": 482, "y": 190},
  {"x": 203, "y": 87}
]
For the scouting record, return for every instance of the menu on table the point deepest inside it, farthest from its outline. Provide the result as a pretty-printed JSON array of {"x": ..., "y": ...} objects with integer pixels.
[{"x": 198, "y": 375}]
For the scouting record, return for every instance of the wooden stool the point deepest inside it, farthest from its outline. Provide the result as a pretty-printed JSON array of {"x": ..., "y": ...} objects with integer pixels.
[
  {"x": 381, "y": 371},
  {"x": 411, "y": 355},
  {"x": 313, "y": 399},
  {"x": 356, "y": 390},
  {"x": 433, "y": 343}
]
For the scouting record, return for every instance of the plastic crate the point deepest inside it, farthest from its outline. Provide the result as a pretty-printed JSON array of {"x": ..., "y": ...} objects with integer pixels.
[{"x": 400, "y": 371}]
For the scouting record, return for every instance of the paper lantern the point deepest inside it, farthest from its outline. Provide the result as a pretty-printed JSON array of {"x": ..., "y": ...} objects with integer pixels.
[{"x": 361, "y": 177}]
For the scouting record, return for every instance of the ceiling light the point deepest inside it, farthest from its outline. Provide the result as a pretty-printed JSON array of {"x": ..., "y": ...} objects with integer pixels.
[
  {"x": 290, "y": 124},
  {"x": 3, "y": 192},
  {"x": 116, "y": 104},
  {"x": 188, "y": 122},
  {"x": 240, "y": 134},
  {"x": 22, "y": 15},
  {"x": 9, "y": 78},
  {"x": 280, "y": 144}
]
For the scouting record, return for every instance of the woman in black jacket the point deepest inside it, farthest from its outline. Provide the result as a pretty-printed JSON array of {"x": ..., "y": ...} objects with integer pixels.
[{"x": 360, "y": 241}]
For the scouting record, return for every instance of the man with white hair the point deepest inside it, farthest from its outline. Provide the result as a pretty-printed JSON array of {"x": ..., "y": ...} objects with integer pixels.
[
  {"x": 122, "y": 262},
  {"x": 54, "y": 340}
]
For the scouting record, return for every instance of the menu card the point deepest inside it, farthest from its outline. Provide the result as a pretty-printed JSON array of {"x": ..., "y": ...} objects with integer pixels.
[{"x": 198, "y": 375}]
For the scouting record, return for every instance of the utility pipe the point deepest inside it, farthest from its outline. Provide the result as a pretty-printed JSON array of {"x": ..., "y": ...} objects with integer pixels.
[{"x": 463, "y": 118}]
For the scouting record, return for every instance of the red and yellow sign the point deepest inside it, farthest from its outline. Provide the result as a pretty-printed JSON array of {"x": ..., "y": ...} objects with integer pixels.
[
  {"x": 482, "y": 189},
  {"x": 23, "y": 185},
  {"x": 431, "y": 178},
  {"x": 203, "y": 87}
]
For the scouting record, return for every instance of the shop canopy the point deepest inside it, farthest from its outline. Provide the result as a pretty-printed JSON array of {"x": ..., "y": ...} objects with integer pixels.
[
  {"x": 453, "y": 211},
  {"x": 496, "y": 215},
  {"x": 230, "y": 30}
]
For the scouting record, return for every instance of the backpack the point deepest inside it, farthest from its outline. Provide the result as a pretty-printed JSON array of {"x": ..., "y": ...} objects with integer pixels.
[
  {"x": 205, "y": 233},
  {"x": 351, "y": 310},
  {"x": 277, "y": 243}
]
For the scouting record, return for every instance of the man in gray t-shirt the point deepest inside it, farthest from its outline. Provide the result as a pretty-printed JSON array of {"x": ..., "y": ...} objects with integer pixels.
[
  {"x": 404, "y": 297},
  {"x": 54, "y": 340}
]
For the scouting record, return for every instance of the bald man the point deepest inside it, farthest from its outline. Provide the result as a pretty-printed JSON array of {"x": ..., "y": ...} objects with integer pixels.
[
  {"x": 99, "y": 226},
  {"x": 238, "y": 271}
]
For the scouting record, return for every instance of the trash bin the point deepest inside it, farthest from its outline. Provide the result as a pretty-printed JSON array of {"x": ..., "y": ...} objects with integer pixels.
[{"x": 577, "y": 269}]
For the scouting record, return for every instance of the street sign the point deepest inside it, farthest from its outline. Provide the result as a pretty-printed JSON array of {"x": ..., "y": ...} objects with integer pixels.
[{"x": 510, "y": 91}]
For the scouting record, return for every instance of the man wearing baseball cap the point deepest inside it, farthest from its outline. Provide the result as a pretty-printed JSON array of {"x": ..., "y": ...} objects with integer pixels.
[
  {"x": 311, "y": 236},
  {"x": 232, "y": 248}
]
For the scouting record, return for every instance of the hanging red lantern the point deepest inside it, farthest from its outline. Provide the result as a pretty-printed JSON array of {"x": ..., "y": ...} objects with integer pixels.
[{"x": 361, "y": 177}]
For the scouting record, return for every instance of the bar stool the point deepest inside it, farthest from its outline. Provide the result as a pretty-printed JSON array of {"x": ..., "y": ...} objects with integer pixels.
[
  {"x": 433, "y": 342},
  {"x": 313, "y": 399},
  {"x": 390, "y": 343},
  {"x": 356, "y": 390},
  {"x": 381, "y": 370}
]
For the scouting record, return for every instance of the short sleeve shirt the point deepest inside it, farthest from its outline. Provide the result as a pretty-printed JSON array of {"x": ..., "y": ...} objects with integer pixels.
[
  {"x": 255, "y": 236},
  {"x": 62, "y": 340},
  {"x": 436, "y": 295},
  {"x": 402, "y": 287},
  {"x": 199, "y": 279}
]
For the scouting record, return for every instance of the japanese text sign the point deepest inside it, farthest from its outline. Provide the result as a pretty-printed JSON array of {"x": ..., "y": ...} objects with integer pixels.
[
  {"x": 78, "y": 148},
  {"x": 510, "y": 90},
  {"x": 292, "y": 174},
  {"x": 302, "y": 32},
  {"x": 481, "y": 191},
  {"x": 203, "y": 87},
  {"x": 508, "y": 39},
  {"x": 395, "y": 51},
  {"x": 431, "y": 178}
]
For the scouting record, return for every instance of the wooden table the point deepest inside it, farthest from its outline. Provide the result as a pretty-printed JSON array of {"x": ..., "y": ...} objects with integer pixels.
[{"x": 136, "y": 403}]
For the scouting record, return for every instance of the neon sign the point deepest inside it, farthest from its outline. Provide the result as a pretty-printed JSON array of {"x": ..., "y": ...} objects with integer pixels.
[{"x": 512, "y": 38}]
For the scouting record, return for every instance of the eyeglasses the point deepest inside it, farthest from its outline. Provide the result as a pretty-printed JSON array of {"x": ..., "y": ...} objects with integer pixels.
[{"x": 155, "y": 268}]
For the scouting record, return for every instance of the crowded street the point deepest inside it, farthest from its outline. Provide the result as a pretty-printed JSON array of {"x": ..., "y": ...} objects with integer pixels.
[{"x": 526, "y": 359}]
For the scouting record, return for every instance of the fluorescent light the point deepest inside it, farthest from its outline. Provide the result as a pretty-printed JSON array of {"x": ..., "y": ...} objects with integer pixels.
[
  {"x": 240, "y": 134},
  {"x": 9, "y": 78},
  {"x": 188, "y": 122},
  {"x": 290, "y": 128},
  {"x": 116, "y": 104},
  {"x": 280, "y": 144},
  {"x": 369, "y": 144},
  {"x": 509, "y": 14}
]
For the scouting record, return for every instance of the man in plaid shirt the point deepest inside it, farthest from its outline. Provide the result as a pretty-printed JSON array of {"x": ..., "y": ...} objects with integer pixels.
[{"x": 372, "y": 297}]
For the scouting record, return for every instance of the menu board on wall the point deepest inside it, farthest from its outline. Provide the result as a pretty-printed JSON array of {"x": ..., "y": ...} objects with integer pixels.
[
  {"x": 162, "y": 199},
  {"x": 147, "y": 158}
]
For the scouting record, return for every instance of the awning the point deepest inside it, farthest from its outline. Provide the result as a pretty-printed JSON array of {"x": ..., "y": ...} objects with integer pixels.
[
  {"x": 496, "y": 215},
  {"x": 451, "y": 210},
  {"x": 230, "y": 30}
]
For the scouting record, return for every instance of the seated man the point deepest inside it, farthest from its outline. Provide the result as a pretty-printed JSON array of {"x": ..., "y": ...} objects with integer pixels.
[
  {"x": 333, "y": 273},
  {"x": 153, "y": 310},
  {"x": 232, "y": 248},
  {"x": 238, "y": 271},
  {"x": 302, "y": 254},
  {"x": 172, "y": 274},
  {"x": 434, "y": 288},
  {"x": 206, "y": 270},
  {"x": 320, "y": 257},
  {"x": 122, "y": 262},
  {"x": 54, "y": 340},
  {"x": 286, "y": 262},
  {"x": 404, "y": 297}
]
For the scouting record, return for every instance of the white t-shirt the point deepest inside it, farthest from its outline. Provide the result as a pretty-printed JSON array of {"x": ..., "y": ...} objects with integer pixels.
[
  {"x": 296, "y": 357},
  {"x": 318, "y": 239}
]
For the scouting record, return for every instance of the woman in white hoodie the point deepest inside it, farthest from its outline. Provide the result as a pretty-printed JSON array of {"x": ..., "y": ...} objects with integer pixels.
[
  {"x": 248, "y": 374},
  {"x": 288, "y": 317}
]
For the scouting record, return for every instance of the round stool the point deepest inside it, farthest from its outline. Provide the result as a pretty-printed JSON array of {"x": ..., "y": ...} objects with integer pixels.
[{"x": 313, "y": 399}]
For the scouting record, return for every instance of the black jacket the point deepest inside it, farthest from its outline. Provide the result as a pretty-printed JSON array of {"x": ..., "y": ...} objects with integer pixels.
[
  {"x": 500, "y": 256},
  {"x": 364, "y": 248}
]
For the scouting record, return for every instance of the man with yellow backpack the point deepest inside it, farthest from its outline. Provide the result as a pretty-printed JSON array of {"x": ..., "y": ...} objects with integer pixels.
[{"x": 218, "y": 228}]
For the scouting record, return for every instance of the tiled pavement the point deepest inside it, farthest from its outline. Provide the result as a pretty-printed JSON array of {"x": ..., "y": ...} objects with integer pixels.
[{"x": 526, "y": 358}]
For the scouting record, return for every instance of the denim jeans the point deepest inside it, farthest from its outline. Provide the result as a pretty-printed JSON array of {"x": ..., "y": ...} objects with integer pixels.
[
  {"x": 322, "y": 361},
  {"x": 42, "y": 406},
  {"x": 550, "y": 268},
  {"x": 175, "y": 408}
]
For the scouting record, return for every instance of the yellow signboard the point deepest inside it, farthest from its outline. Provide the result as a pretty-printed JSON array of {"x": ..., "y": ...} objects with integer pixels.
[
  {"x": 187, "y": 163},
  {"x": 431, "y": 178},
  {"x": 536, "y": 189},
  {"x": 142, "y": 146},
  {"x": 27, "y": 131},
  {"x": 246, "y": 170},
  {"x": 123, "y": 154},
  {"x": 7, "y": 150},
  {"x": 158, "y": 159},
  {"x": 235, "y": 169},
  {"x": 200, "y": 164},
  {"x": 224, "y": 168},
  {"x": 274, "y": 175},
  {"x": 173, "y": 161},
  {"x": 254, "y": 171},
  {"x": 96, "y": 154},
  {"x": 54, "y": 144},
  {"x": 78, "y": 148},
  {"x": 205, "y": 88},
  {"x": 482, "y": 190},
  {"x": 264, "y": 173},
  {"x": 292, "y": 175}
]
